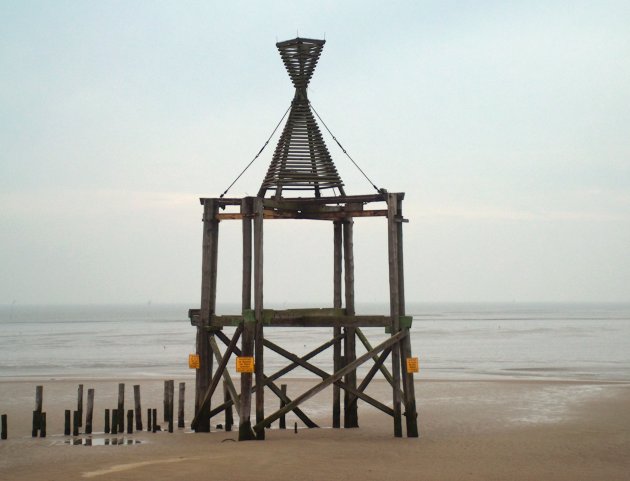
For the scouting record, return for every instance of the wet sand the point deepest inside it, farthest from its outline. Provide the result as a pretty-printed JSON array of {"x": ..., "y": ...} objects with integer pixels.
[{"x": 478, "y": 430}]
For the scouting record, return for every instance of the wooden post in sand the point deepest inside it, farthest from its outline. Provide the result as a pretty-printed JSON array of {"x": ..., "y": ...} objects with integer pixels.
[
  {"x": 209, "y": 258},
  {"x": 115, "y": 422},
  {"x": 245, "y": 431},
  {"x": 351, "y": 413},
  {"x": 42, "y": 425},
  {"x": 180, "y": 405},
  {"x": 137, "y": 406},
  {"x": 258, "y": 306},
  {"x": 90, "y": 412},
  {"x": 171, "y": 405},
  {"x": 80, "y": 404},
  {"x": 337, "y": 272},
  {"x": 121, "y": 408},
  {"x": 39, "y": 400},
  {"x": 229, "y": 416},
  {"x": 66, "y": 424},
  {"x": 149, "y": 420},
  {"x": 130, "y": 421},
  {"x": 394, "y": 305},
  {"x": 411, "y": 415},
  {"x": 155, "y": 424},
  {"x": 283, "y": 420},
  {"x": 75, "y": 423},
  {"x": 107, "y": 427},
  {"x": 4, "y": 432}
]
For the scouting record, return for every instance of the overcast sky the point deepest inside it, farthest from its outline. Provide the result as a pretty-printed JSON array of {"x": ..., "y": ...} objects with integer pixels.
[{"x": 507, "y": 124}]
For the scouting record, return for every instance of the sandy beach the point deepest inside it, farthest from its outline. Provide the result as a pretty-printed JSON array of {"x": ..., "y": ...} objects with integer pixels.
[{"x": 508, "y": 429}]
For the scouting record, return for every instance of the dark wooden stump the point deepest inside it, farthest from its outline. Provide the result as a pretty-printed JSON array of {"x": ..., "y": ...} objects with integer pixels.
[
  {"x": 137, "y": 406},
  {"x": 107, "y": 428},
  {"x": 90, "y": 412}
]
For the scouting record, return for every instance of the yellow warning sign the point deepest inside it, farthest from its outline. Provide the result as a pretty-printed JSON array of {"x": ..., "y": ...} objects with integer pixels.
[
  {"x": 244, "y": 364},
  {"x": 193, "y": 361},
  {"x": 412, "y": 364}
]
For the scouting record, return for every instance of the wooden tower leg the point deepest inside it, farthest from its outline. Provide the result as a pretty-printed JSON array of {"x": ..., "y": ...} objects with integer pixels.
[
  {"x": 411, "y": 415},
  {"x": 351, "y": 412},
  {"x": 394, "y": 305},
  {"x": 337, "y": 270},
  {"x": 208, "y": 304},
  {"x": 245, "y": 431},
  {"x": 258, "y": 305}
]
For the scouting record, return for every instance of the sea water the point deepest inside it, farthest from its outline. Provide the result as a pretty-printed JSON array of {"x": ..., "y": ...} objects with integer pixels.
[{"x": 452, "y": 341}]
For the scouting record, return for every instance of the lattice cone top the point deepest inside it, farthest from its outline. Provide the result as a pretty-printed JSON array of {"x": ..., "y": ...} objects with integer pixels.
[
  {"x": 301, "y": 160},
  {"x": 300, "y": 57}
]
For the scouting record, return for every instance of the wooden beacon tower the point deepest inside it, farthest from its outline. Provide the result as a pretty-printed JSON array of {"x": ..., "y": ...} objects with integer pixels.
[{"x": 301, "y": 162}]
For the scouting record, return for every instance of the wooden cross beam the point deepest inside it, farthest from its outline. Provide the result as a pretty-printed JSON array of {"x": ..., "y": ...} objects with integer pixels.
[
  {"x": 217, "y": 376},
  {"x": 273, "y": 387},
  {"x": 234, "y": 396},
  {"x": 372, "y": 372},
  {"x": 277, "y": 374},
  {"x": 330, "y": 380},
  {"x": 323, "y": 374},
  {"x": 368, "y": 347}
]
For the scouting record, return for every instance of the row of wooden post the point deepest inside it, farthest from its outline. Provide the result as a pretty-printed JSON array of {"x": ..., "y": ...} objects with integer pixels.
[{"x": 73, "y": 420}]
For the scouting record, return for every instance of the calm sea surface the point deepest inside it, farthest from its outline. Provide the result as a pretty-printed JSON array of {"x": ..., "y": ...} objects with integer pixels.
[{"x": 453, "y": 341}]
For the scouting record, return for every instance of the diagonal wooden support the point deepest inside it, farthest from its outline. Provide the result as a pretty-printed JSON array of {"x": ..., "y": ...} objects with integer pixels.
[
  {"x": 217, "y": 376},
  {"x": 330, "y": 380},
  {"x": 274, "y": 388},
  {"x": 368, "y": 347},
  {"x": 323, "y": 374},
  {"x": 226, "y": 376},
  {"x": 276, "y": 375},
  {"x": 372, "y": 372}
]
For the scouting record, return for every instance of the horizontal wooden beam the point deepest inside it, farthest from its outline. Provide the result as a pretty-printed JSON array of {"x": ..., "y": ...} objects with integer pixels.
[
  {"x": 333, "y": 200},
  {"x": 308, "y": 215},
  {"x": 297, "y": 321}
]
